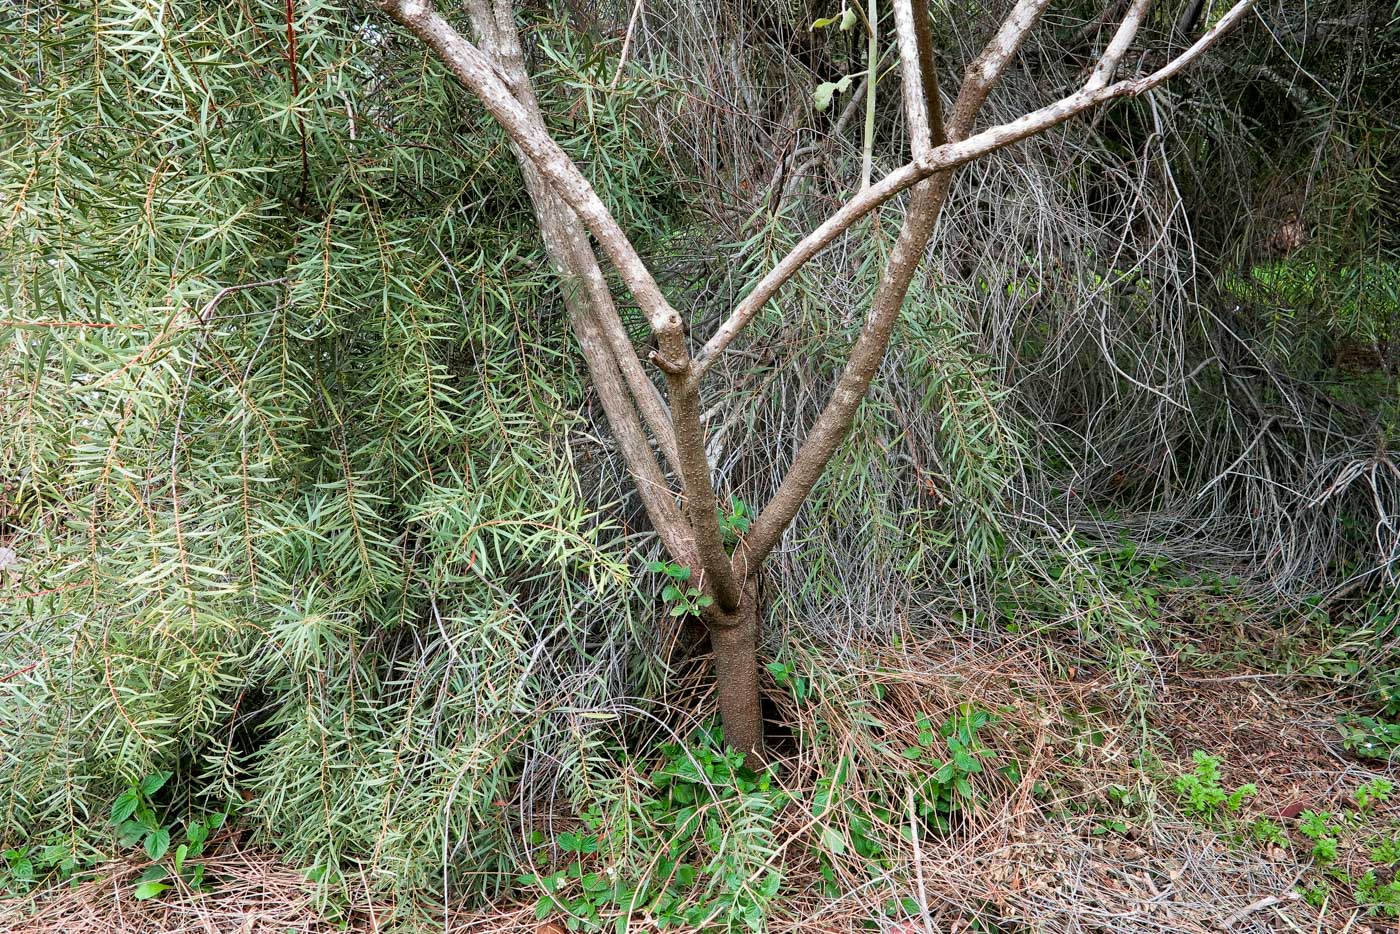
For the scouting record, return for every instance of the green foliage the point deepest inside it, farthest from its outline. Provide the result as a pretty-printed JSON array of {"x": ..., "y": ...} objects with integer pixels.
[
  {"x": 1378, "y": 897},
  {"x": 1370, "y": 737},
  {"x": 290, "y": 446},
  {"x": 700, "y": 828},
  {"x": 1386, "y": 852},
  {"x": 1268, "y": 833},
  {"x": 1317, "y": 826},
  {"x": 1376, "y": 791},
  {"x": 788, "y": 675},
  {"x": 134, "y": 815},
  {"x": 695, "y": 848},
  {"x": 137, "y": 823},
  {"x": 949, "y": 789},
  {"x": 1202, "y": 793},
  {"x": 735, "y": 522},
  {"x": 934, "y": 794},
  {"x": 685, "y": 600},
  {"x": 309, "y": 506},
  {"x": 26, "y": 867}
]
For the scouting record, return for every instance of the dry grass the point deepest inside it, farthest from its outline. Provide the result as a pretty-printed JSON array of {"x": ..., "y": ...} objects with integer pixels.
[
  {"x": 253, "y": 894},
  {"x": 1030, "y": 859}
]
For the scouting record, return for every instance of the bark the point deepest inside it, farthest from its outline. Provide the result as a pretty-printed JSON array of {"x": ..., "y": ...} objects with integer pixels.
[
  {"x": 590, "y": 306},
  {"x": 701, "y": 509},
  {"x": 734, "y": 644}
]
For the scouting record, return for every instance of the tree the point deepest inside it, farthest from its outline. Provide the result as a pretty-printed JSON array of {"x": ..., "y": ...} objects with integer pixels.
[{"x": 568, "y": 211}]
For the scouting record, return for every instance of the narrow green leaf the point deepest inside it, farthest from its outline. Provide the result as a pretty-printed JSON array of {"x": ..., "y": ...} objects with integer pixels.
[{"x": 148, "y": 890}]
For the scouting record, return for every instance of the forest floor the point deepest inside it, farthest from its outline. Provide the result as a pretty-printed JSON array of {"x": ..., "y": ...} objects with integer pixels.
[{"x": 1054, "y": 853}]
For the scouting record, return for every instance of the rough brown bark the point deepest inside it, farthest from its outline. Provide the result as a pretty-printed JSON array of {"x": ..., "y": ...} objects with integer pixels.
[{"x": 734, "y": 644}]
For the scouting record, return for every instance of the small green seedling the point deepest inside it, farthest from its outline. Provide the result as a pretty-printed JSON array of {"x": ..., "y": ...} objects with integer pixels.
[
  {"x": 684, "y": 600},
  {"x": 137, "y": 823},
  {"x": 1202, "y": 792},
  {"x": 1376, "y": 791}
]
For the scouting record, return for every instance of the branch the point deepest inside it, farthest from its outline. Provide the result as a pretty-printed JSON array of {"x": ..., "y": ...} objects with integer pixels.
[
  {"x": 700, "y": 502},
  {"x": 983, "y": 76},
  {"x": 495, "y": 29},
  {"x": 836, "y": 417},
  {"x": 920, "y": 80},
  {"x": 862, "y": 204},
  {"x": 477, "y": 72},
  {"x": 831, "y": 426},
  {"x": 654, "y": 492},
  {"x": 986, "y": 70},
  {"x": 924, "y": 114},
  {"x": 586, "y": 297},
  {"x": 1118, "y": 45},
  {"x": 680, "y": 434},
  {"x": 1187, "y": 21}
]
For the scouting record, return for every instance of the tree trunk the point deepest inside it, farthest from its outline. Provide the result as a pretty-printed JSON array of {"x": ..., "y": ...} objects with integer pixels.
[
  {"x": 570, "y": 209},
  {"x": 734, "y": 643}
]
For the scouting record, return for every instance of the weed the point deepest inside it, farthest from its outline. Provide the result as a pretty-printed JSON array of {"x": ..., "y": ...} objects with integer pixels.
[
  {"x": 705, "y": 805},
  {"x": 949, "y": 789},
  {"x": 685, "y": 601},
  {"x": 736, "y": 522},
  {"x": 786, "y": 675},
  {"x": 26, "y": 866},
  {"x": 1110, "y": 825},
  {"x": 1268, "y": 833},
  {"x": 1203, "y": 794},
  {"x": 1370, "y": 737},
  {"x": 1317, "y": 893},
  {"x": 1317, "y": 826},
  {"x": 137, "y": 821},
  {"x": 1386, "y": 852},
  {"x": 1376, "y": 791},
  {"x": 844, "y": 826},
  {"x": 1378, "y": 898}
]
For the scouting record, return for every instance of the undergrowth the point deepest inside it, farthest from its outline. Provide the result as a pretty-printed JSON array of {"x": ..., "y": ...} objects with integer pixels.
[{"x": 305, "y": 505}]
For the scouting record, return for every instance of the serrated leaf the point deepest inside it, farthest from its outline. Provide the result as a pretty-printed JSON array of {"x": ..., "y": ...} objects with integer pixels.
[
  {"x": 124, "y": 806},
  {"x": 157, "y": 843},
  {"x": 129, "y": 833},
  {"x": 153, "y": 874},
  {"x": 153, "y": 783}
]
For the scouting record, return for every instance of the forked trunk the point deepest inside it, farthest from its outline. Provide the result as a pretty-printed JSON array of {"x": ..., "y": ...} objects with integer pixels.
[
  {"x": 569, "y": 210},
  {"x": 734, "y": 643}
]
